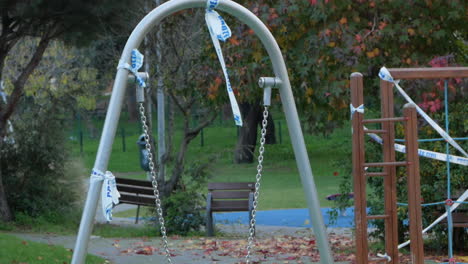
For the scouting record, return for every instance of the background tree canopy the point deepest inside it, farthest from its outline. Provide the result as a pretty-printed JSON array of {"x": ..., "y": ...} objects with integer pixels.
[
  {"x": 75, "y": 22},
  {"x": 325, "y": 41}
]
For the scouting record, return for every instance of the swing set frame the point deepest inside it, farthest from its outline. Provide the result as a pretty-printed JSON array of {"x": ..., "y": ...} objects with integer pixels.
[{"x": 284, "y": 87}]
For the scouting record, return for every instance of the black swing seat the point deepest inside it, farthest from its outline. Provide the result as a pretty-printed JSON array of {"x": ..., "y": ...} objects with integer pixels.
[{"x": 228, "y": 197}]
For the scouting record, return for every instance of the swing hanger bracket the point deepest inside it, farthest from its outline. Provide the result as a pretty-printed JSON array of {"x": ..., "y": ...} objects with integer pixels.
[
  {"x": 268, "y": 83},
  {"x": 142, "y": 75},
  {"x": 272, "y": 82},
  {"x": 140, "y": 91}
]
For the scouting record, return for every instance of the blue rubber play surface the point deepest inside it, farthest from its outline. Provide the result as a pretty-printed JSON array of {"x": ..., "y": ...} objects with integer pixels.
[{"x": 286, "y": 217}]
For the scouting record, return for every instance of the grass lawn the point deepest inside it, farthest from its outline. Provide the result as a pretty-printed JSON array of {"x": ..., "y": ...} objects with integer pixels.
[
  {"x": 15, "y": 250},
  {"x": 113, "y": 231},
  {"x": 281, "y": 185},
  {"x": 69, "y": 226}
]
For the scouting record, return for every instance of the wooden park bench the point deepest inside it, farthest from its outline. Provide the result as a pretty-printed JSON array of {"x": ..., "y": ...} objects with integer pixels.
[
  {"x": 460, "y": 224},
  {"x": 228, "y": 197},
  {"x": 137, "y": 192},
  {"x": 460, "y": 219}
]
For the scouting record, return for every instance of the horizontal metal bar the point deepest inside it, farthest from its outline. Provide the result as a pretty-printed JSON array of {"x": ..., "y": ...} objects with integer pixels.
[
  {"x": 434, "y": 139},
  {"x": 142, "y": 75},
  {"x": 376, "y": 131},
  {"x": 429, "y": 73},
  {"x": 372, "y": 217},
  {"x": 424, "y": 204},
  {"x": 383, "y": 164},
  {"x": 375, "y": 174},
  {"x": 380, "y": 120}
]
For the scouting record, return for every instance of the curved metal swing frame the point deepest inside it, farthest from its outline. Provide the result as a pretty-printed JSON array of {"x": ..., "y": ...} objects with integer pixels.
[{"x": 289, "y": 107}]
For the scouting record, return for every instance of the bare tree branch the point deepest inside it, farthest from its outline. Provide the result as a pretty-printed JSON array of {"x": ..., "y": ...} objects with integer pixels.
[
  {"x": 204, "y": 124},
  {"x": 18, "y": 84}
]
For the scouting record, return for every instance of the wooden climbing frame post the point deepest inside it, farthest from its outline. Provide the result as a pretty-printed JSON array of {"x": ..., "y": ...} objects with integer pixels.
[
  {"x": 390, "y": 189},
  {"x": 357, "y": 99},
  {"x": 414, "y": 186},
  {"x": 389, "y": 163},
  {"x": 388, "y": 173}
]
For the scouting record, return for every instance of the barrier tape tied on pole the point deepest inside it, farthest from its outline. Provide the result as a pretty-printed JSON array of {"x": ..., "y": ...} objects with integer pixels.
[
  {"x": 359, "y": 109},
  {"x": 385, "y": 75},
  {"x": 109, "y": 193},
  {"x": 219, "y": 30},
  {"x": 137, "y": 62}
]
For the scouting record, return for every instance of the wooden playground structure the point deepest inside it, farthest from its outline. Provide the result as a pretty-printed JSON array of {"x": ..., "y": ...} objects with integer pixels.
[{"x": 389, "y": 164}]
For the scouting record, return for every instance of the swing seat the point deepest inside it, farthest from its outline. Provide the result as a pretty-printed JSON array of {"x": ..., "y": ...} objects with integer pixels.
[{"x": 228, "y": 197}]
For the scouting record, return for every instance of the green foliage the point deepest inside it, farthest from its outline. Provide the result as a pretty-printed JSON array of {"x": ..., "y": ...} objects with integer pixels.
[
  {"x": 182, "y": 208},
  {"x": 325, "y": 41},
  {"x": 64, "y": 73},
  {"x": 38, "y": 174},
  {"x": 74, "y": 21},
  {"x": 183, "y": 213}
]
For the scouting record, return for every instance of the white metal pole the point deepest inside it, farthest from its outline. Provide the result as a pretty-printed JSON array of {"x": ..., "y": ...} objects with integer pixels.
[{"x": 279, "y": 67}]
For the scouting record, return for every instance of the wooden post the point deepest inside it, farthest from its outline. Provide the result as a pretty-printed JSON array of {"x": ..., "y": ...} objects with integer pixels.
[
  {"x": 357, "y": 99},
  {"x": 390, "y": 191},
  {"x": 414, "y": 186}
]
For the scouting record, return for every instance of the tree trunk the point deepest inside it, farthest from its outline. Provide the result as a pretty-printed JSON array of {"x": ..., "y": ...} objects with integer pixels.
[
  {"x": 5, "y": 212},
  {"x": 253, "y": 116},
  {"x": 179, "y": 164},
  {"x": 131, "y": 104},
  {"x": 270, "y": 137}
]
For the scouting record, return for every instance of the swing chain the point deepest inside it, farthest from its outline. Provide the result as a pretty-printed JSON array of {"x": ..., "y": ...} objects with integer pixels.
[
  {"x": 154, "y": 181},
  {"x": 261, "y": 149}
]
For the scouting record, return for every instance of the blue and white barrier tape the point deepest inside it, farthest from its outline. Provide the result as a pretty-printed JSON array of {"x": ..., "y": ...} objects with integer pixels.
[
  {"x": 384, "y": 256},
  {"x": 137, "y": 62},
  {"x": 219, "y": 30},
  {"x": 109, "y": 193},
  {"x": 424, "y": 153},
  {"x": 459, "y": 201},
  {"x": 359, "y": 109},
  {"x": 385, "y": 75}
]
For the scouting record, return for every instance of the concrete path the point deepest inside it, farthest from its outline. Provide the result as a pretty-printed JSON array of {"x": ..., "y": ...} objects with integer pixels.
[{"x": 185, "y": 250}]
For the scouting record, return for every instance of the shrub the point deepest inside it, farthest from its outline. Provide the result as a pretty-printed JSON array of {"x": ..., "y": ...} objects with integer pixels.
[
  {"x": 39, "y": 177},
  {"x": 183, "y": 212}
]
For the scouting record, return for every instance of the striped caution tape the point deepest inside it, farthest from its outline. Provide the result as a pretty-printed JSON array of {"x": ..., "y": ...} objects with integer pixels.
[
  {"x": 109, "y": 193},
  {"x": 385, "y": 75},
  {"x": 137, "y": 62},
  {"x": 424, "y": 153},
  {"x": 219, "y": 30},
  {"x": 457, "y": 203}
]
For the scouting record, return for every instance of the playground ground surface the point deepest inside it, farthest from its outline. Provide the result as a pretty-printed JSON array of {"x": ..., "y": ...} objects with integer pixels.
[
  {"x": 282, "y": 243},
  {"x": 274, "y": 245}
]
